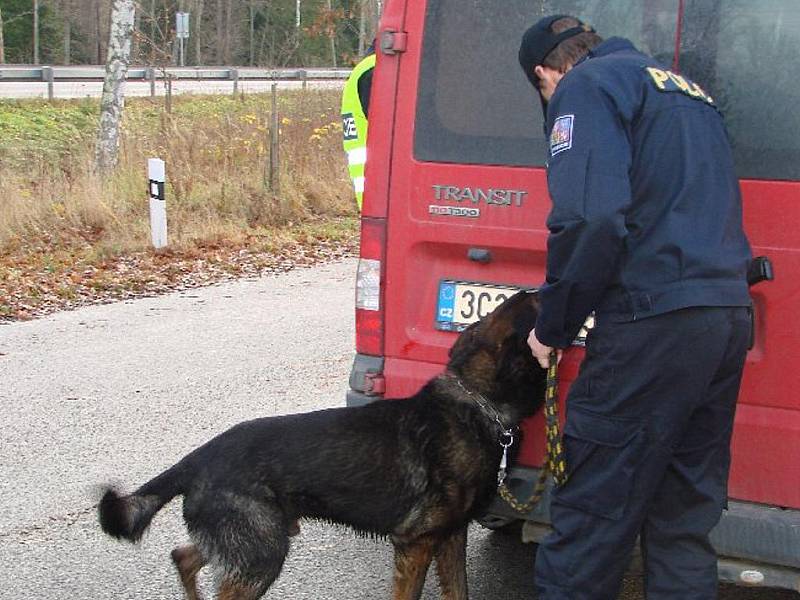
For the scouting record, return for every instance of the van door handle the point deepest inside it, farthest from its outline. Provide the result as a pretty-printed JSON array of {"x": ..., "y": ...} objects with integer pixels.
[{"x": 759, "y": 269}]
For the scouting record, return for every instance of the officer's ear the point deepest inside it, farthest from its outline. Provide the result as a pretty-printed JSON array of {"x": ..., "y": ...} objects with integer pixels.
[{"x": 538, "y": 72}]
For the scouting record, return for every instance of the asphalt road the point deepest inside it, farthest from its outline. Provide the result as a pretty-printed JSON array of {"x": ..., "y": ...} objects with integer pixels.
[{"x": 121, "y": 391}]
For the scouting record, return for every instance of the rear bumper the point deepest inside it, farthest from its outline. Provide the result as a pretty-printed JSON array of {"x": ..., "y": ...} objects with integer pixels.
[
  {"x": 752, "y": 539},
  {"x": 361, "y": 389},
  {"x": 359, "y": 398},
  {"x": 749, "y": 537}
]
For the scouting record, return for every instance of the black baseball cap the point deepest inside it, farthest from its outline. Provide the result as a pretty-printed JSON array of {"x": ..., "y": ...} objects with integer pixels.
[{"x": 539, "y": 41}]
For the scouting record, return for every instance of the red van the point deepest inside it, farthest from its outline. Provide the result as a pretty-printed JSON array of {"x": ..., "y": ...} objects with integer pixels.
[{"x": 456, "y": 200}]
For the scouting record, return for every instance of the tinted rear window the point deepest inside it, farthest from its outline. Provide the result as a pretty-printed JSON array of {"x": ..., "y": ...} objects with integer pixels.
[
  {"x": 745, "y": 53},
  {"x": 475, "y": 106}
]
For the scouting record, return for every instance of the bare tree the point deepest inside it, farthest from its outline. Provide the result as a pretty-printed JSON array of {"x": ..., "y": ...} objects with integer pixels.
[
  {"x": 251, "y": 21},
  {"x": 113, "y": 102},
  {"x": 332, "y": 36},
  {"x": 36, "y": 32},
  {"x": 198, "y": 28},
  {"x": 65, "y": 7},
  {"x": 2, "y": 40},
  {"x": 362, "y": 34},
  {"x": 220, "y": 26}
]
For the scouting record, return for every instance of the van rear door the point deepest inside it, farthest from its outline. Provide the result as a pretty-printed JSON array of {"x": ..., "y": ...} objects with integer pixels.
[
  {"x": 746, "y": 56},
  {"x": 467, "y": 196}
]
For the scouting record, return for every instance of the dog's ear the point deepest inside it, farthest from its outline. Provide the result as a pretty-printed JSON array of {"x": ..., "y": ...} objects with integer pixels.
[
  {"x": 465, "y": 339},
  {"x": 516, "y": 316},
  {"x": 525, "y": 317}
]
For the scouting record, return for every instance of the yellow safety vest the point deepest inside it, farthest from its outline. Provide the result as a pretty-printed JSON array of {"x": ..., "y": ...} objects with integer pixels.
[{"x": 354, "y": 127}]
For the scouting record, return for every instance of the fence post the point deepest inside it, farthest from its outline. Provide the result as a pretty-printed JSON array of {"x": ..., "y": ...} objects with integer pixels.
[
  {"x": 234, "y": 74},
  {"x": 151, "y": 77},
  {"x": 156, "y": 172},
  {"x": 169, "y": 93},
  {"x": 49, "y": 77},
  {"x": 274, "y": 146}
]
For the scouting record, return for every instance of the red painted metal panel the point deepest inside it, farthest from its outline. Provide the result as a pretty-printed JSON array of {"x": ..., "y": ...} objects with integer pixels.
[{"x": 422, "y": 249}]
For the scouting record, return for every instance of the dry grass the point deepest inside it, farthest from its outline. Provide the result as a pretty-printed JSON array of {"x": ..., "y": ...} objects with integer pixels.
[
  {"x": 216, "y": 150},
  {"x": 69, "y": 237}
]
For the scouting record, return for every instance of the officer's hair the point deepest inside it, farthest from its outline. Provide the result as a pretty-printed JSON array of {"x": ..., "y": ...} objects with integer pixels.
[{"x": 572, "y": 49}]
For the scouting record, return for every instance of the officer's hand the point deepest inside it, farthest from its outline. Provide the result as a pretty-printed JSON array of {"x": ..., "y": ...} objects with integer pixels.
[{"x": 541, "y": 352}]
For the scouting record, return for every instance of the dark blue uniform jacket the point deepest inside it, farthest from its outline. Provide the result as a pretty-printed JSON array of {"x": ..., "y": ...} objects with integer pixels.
[{"x": 646, "y": 214}]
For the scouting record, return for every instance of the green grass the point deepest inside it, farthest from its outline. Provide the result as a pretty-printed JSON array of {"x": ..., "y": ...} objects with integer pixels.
[{"x": 41, "y": 131}]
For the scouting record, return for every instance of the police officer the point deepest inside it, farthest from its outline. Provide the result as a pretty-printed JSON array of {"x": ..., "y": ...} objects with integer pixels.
[
  {"x": 646, "y": 231},
  {"x": 355, "y": 108}
]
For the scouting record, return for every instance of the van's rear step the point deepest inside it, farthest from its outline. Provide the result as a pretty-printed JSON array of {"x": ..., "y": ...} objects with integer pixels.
[
  {"x": 363, "y": 385},
  {"x": 757, "y": 544}
]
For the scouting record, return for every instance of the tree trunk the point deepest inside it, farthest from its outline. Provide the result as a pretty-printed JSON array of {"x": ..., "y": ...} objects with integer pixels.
[
  {"x": 228, "y": 33},
  {"x": 67, "y": 40},
  {"x": 2, "y": 41},
  {"x": 153, "y": 30},
  {"x": 98, "y": 28},
  {"x": 362, "y": 26},
  {"x": 36, "y": 32},
  {"x": 198, "y": 27},
  {"x": 332, "y": 37},
  {"x": 137, "y": 29},
  {"x": 252, "y": 32},
  {"x": 113, "y": 102},
  {"x": 220, "y": 23}
]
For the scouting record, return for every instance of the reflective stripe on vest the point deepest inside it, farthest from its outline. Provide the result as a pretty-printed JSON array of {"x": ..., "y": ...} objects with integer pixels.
[
  {"x": 357, "y": 156},
  {"x": 354, "y": 127}
]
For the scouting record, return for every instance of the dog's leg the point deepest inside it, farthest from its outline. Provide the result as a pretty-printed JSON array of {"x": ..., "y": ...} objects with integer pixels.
[
  {"x": 231, "y": 589},
  {"x": 411, "y": 562},
  {"x": 188, "y": 561},
  {"x": 451, "y": 566},
  {"x": 293, "y": 528}
]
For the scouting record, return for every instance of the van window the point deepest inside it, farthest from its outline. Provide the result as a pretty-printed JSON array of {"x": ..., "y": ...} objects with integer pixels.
[
  {"x": 745, "y": 54},
  {"x": 475, "y": 105}
]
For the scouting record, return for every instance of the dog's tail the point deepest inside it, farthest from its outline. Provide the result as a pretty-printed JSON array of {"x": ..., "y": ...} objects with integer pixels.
[{"x": 129, "y": 516}]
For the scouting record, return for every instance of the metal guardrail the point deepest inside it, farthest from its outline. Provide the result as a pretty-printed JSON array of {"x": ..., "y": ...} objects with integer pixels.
[
  {"x": 50, "y": 75},
  {"x": 93, "y": 73}
]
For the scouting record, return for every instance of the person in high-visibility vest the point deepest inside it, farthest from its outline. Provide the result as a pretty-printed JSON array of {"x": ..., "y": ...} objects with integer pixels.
[{"x": 355, "y": 106}]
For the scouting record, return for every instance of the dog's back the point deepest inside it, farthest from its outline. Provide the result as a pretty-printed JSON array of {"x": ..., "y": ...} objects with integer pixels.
[{"x": 415, "y": 470}]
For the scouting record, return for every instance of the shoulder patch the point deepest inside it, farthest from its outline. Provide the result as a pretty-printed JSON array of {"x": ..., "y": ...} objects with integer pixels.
[{"x": 561, "y": 135}]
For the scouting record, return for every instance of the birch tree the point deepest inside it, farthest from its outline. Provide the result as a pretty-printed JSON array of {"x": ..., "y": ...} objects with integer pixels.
[
  {"x": 113, "y": 102},
  {"x": 2, "y": 41}
]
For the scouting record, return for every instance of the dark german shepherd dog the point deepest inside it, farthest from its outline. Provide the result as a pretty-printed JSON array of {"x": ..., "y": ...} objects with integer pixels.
[{"x": 415, "y": 470}]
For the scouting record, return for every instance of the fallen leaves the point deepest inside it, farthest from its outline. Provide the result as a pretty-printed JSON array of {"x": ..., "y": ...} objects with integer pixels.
[{"x": 40, "y": 281}]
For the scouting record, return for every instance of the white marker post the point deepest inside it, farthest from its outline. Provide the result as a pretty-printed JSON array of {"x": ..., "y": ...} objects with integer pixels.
[{"x": 158, "y": 205}]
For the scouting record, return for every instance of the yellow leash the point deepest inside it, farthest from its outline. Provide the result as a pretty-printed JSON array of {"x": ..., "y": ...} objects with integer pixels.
[{"x": 555, "y": 462}]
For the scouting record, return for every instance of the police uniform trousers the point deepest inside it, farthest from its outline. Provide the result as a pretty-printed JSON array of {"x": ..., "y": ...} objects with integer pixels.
[{"x": 647, "y": 442}]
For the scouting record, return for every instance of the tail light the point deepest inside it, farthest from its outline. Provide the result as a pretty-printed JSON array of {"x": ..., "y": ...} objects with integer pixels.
[{"x": 369, "y": 287}]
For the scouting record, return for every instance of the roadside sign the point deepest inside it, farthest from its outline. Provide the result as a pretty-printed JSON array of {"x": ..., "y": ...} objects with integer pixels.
[{"x": 182, "y": 25}]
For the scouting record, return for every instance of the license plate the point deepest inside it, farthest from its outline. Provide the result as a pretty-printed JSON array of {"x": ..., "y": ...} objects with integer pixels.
[{"x": 462, "y": 302}]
